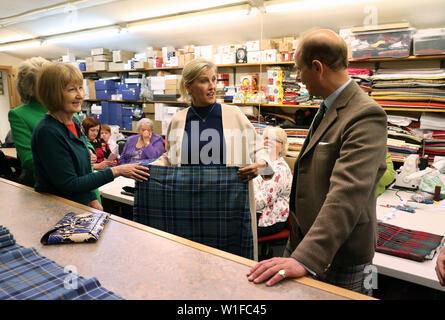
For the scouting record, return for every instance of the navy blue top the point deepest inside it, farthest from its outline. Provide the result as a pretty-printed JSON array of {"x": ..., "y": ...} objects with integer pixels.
[{"x": 203, "y": 142}]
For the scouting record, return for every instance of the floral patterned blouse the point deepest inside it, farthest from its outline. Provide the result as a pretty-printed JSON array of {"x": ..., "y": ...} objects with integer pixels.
[{"x": 272, "y": 196}]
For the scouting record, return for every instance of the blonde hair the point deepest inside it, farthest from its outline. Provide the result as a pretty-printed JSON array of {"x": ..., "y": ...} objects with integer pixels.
[
  {"x": 191, "y": 71},
  {"x": 52, "y": 80},
  {"x": 280, "y": 135},
  {"x": 105, "y": 127},
  {"x": 27, "y": 77}
]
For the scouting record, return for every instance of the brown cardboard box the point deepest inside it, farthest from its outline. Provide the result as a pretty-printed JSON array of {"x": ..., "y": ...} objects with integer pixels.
[
  {"x": 122, "y": 55},
  {"x": 91, "y": 89},
  {"x": 151, "y": 52},
  {"x": 100, "y": 65},
  {"x": 188, "y": 57},
  {"x": 89, "y": 60},
  {"x": 134, "y": 125},
  {"x": 116, "y": 66},
  {"x": 148, "y": 108},
  {"x": 139, "y": 65},
  {"x": 157, "y": 125},
  {"x": 98, "y": 51},
  {"x": 102, "y": 57},
  {"x": 285, "y": 46},
  {"x": 172, "y": 91},
  {"x": 268, "y": 44}
]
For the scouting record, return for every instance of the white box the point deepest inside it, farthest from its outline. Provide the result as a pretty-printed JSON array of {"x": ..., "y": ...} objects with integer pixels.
[
  {"x": 217, "y": 58},
  {"x": 99, "y": 51},
  {"x": 253, "y": 56},
  {"x": 173, "y": 77},
  {"x": 269, "y": 55},
  {"x": 228, "y": 58},
  {"x": 157, "y": 83},
  {"x": 69, "y": 58},
  {"x": 253, "y": 45}
]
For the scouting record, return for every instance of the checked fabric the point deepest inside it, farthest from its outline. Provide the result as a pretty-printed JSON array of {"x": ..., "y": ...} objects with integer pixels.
[
  {"x": 27, "y": 275},
  {"x": 206, "y": 204},
  {"x": 408, "y": 244}
]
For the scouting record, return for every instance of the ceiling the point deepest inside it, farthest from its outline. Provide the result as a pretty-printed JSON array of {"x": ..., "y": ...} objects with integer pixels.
[{"x": 27, "y": 19}]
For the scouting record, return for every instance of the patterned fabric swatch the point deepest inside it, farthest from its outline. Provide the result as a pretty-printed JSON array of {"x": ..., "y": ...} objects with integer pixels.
[
  {"x": 206, "y": 204},
  {"x": 27, "y": 275},
  {"x": 408, "y": 244}
]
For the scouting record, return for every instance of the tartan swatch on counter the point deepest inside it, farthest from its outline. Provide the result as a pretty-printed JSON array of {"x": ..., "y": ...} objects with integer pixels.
[
  {"x": 27, "y": 275},
  {"x": 406, "y": 243},
  {"x": 206, "y": 204}
]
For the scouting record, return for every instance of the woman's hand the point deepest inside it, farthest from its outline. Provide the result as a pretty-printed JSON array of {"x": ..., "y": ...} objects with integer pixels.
[
  {"x": 251, "y": 171},
  {"x": 131, "y": 170},
  {"x": 93, "y": 158},
  {"x": 96, "y": 205},
  {"x": 104, "y": 164}
]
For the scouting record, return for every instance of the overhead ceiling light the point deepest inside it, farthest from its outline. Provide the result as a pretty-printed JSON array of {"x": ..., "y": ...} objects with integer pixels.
[
  {"x": 20, "y": 45},
  {"x": 184, "y": 20},
  {"x": 92, "y": 34},
  {"x": 286, "y": 5}
]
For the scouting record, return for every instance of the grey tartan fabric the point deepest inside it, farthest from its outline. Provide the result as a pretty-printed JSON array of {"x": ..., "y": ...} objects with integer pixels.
[{"x": 206, "y": 204}]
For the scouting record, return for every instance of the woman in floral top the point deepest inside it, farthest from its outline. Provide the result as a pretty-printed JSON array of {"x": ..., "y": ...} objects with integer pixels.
[{"x": 272, "y": 196}]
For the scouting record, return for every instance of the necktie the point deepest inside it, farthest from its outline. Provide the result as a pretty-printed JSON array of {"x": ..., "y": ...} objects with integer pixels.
[{"x": 318, "y": 117}]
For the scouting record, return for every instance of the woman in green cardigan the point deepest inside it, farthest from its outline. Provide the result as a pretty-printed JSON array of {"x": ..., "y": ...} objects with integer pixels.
[
  {"x": 62, "y": 161},
  {"x": 24, "y": 119}
]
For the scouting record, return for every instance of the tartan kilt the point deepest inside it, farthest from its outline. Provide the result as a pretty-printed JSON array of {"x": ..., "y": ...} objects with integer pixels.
[
  {"x": 349, "y": 277},
  {"x": 206, "y": 204}
]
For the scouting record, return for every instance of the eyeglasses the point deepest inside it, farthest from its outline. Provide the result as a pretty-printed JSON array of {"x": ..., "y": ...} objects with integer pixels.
[{"x": 270, "y": 139}]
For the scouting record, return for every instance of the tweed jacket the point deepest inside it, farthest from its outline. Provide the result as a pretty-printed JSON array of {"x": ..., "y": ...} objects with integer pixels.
[
  {"x": 333, "y": 196},
  {"x": 242, "y": 148}
]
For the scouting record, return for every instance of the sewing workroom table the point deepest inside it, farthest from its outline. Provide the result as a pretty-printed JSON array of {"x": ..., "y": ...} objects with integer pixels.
[
  {"x": 428, "y": 218},
  {"x": 139, "y": 262}
]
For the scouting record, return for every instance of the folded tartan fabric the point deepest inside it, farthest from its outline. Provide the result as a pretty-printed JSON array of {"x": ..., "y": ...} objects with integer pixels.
[
  {"x": 206, "y": 204},
  {"x": 77, "y": 227},
  {"x": 27, "y": 275},
  {"x": 408, "y": 244}
]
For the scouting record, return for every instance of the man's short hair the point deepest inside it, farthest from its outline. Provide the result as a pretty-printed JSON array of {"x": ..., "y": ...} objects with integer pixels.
[{"x": 334, "y": 54}]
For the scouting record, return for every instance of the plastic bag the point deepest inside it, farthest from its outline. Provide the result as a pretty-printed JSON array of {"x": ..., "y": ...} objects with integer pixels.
[{"x": 429, "y": 182}]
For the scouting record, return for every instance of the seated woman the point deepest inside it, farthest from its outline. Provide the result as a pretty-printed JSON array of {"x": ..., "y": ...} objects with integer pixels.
[
  {"x": 105, "y": 134},
  {"x": 272, "y": 196},
  {"x": 143, "y": 146},
  {"x": 101, "y": 149},
  {"x": 61, "y": 156}
]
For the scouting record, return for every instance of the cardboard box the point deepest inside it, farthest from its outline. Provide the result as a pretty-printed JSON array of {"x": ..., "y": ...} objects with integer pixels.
[
  {"x": 188, "y": 57},
  {"x": 267, "y": 44},
  {"x": 172, "y": 91},
  {"x": 253, "y": 56},
  {"x": 116, "y": 66},
  {"x": 91, "y": 88},
  {"x": 228, "y": 58},
  {"x": 157, "y": 125},
  {"x": 269, "y": 55},
  {"x": 122, "y": 55},
  {"x": 148, "y": 108},
  {"x": 152, "y": 52},
  {"x": 103, "y": 57},
  {"x": 89, "y": 60},
  {"x": 285, "y": 46},
  {"x": 99, "y": 51},
  {"x": 100, "y": 65},
  {"x": 253, "y": 45}
]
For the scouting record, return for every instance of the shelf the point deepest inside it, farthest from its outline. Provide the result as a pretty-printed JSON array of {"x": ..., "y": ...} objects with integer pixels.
[
  {"x": 285, "y": 63},
  {"x": 410, "y": 58}
]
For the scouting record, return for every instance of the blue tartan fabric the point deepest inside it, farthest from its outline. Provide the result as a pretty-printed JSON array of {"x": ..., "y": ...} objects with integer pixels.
[
  {"x": 27, "y": 275},
  {"x": 206, "y": 204}
]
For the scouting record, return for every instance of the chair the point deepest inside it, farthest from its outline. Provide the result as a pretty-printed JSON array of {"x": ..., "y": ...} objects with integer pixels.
[
  {"x": 266, "y": 243},
  {"x": 6, "y": 170},
  {"x": 121, "y": 144}
]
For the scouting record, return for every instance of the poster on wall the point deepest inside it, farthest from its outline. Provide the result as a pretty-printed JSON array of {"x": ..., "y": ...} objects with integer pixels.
[{"x": 1, "y": 84}]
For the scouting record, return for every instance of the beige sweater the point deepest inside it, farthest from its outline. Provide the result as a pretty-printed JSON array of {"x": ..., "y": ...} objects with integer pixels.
[{"x": 243, "y": 147}]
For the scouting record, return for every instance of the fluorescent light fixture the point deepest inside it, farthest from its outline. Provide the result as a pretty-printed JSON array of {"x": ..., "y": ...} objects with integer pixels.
[
  {"x": 20, "y": 45},
  {"x": 184, "y": 20},
  {"x": 83, "y": 35},
  {"x": 304, "y": 5}
]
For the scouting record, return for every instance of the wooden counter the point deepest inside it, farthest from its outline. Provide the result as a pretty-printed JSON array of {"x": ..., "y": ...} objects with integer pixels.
[{"x": 138, "y": 262}]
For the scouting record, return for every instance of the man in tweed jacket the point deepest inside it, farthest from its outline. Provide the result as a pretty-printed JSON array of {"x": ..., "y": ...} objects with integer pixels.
[{"x": 333, "y": 198}]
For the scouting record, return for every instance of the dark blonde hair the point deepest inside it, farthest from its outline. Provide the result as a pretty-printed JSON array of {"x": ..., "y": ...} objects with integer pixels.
[
  {"x": 105, "y": 127},
  {"x": 191, "y": 71},
  {"x": 27, "y": 77},
  {"x": 52, "y": 80}
]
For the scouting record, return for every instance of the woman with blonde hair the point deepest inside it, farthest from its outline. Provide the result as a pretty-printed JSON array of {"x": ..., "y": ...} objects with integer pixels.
[
  {"x": 24, "y": 118},
  {"x": 209, "y": 133},
  {"x": 61, "y": 156},
  {"x": 272, "y": 196}
]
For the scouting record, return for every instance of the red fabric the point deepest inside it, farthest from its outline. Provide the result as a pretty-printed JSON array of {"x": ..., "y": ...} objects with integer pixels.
[{"x": 72, "y": 128}]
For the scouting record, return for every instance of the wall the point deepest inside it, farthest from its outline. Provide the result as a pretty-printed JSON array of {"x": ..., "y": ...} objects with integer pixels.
[{"x": 5, "y": 60}]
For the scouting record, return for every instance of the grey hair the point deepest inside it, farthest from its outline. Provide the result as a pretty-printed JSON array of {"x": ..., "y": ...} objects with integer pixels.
[
  {"x": 280, "y": 135},
  {"x": 26, "y": 81},
  {"x": 144, "y": 121},
  {"x": 191, "y": 71}
]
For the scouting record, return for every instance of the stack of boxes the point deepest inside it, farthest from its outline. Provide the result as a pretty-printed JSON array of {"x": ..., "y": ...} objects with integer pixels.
[
  {"x": 172, "y": 85},
  {"x": 99, "y": 60},
  {"x": 275, "y": 91},
  {"x": 120, "y": 60}
]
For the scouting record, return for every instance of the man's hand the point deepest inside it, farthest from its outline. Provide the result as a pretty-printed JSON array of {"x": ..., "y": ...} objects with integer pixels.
[
  {"x": 269, "y": 269},
  {"x": 440, "y": 267}
]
